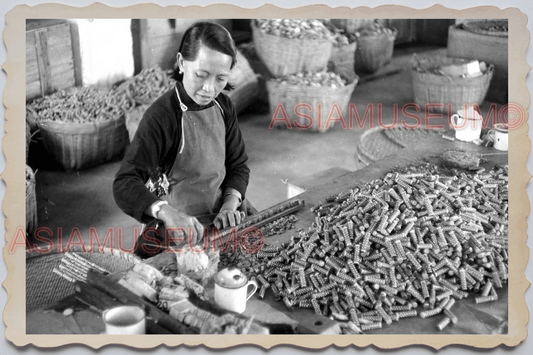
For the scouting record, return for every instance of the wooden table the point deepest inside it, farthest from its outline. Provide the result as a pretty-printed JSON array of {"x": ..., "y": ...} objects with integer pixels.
[
  {"x": 473, "y": 319},
  {"x": 490, "y": 318}
]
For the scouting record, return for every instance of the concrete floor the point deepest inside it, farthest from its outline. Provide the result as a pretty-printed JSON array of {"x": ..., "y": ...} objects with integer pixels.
[{"x": 83, "y": 201}]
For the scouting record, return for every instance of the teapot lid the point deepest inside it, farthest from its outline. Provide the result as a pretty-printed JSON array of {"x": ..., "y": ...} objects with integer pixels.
[
  {"x": 502, "y": 127},
  {"x": 231, "y": 277}
]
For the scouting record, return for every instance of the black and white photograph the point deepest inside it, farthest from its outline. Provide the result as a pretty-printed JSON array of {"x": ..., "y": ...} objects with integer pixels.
[{"x": 271, "y": 176}]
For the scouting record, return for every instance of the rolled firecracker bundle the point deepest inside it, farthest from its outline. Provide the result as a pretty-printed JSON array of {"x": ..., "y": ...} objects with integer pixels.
[
  {"x": 74, "y": 267},
  {"x": 449, "y": 240},
  {"x": 316, "y": 79},
  {"x": 257, "y": 220},
  {"x": 295, "y": 28},
  {"x": 81, "y": 105},
  {"x": 279, "y": 226},
  {"x": 145, "y": 87}
]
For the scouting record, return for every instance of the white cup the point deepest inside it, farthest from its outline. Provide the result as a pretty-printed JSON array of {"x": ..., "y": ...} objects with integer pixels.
[
  {"x": 500, "y": 137},
  {"x": 232, "y": 289},
  {"x": 125, "y": 320}
]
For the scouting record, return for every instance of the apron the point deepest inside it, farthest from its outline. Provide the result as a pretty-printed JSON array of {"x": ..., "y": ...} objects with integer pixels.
[
  {"x": 196, "y": 175},
  {"x": 199, "y": 168}
]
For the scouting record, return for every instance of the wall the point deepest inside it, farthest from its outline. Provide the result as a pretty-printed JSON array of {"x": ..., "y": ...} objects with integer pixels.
[
  {"x": 105, "y": 49},
  {"x": 156, "y": 41}
]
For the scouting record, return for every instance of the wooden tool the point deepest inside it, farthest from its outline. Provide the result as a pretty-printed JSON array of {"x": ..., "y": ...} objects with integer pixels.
[{"x": 260, "y": 219}]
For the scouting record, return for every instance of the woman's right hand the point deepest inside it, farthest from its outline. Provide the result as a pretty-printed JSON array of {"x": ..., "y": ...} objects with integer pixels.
[{"x": 179, "y": 225}]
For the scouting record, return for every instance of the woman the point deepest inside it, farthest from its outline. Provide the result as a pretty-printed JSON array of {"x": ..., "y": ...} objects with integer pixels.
[{"x": 190, "y": 135}]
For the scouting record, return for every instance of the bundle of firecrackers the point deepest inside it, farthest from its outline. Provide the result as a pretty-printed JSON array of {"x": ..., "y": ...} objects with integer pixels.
[
  {"x": 87, "y": 104},
  {"x": 313, "y": 79},
  {"x": 340, "y": 36},
  {"x": 279, "y": 226},
  {"x": 295, "y": 28},
  {"x": 408, "y": 245},
  {"x": 148, "y": 85},
  {"x": 80, "y": 105}
]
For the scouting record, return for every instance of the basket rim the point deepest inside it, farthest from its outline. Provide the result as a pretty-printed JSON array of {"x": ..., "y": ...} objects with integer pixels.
[
  {"x": 345, "y": 47},
  {"x": 488, "y": 72},
  {"x": 257, "y": 30},
  {"x": 393, "y": 34},
  {"x": 273, "y": 83}
]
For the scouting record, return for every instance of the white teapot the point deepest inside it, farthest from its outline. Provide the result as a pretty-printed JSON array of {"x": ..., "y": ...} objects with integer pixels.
[
  {"x": 232, "y": 289},
  {"x": 467, "y": 124}
]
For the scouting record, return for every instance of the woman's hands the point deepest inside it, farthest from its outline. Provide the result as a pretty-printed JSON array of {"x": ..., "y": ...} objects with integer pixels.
[
  {"x": 228, "y": 218},
  {"x": 179, "y": 225},
  {"x": 228, "y": 215}
]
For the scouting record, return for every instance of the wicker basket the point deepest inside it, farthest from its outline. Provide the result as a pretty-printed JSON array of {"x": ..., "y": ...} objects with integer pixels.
[
  {"x": 44, "y": 287},
  {"x": 378, "y": 143},
  {"x": 81, "y": 145},
  {"x": 351, "y": 25},
  {"x": 31, "y": 202},
  {"x": 342, "y": 60},
  {"x": 373, "y": 52},
  {"x": 285, "y": 56},
  {"x": 442, "y": 91},
  {"x": 289, "y": 97}
]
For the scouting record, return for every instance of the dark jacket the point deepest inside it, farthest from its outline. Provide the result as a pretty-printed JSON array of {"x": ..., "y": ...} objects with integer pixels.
[{"x": 155, "y": 147}]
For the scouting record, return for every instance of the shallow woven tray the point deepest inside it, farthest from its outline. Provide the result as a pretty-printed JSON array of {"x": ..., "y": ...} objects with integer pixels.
[
  {"x": 44, "y": 287},
  {"x": 378, "y": 143}
]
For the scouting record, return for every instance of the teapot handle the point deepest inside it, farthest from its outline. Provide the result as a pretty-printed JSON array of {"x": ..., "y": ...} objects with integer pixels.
[{"x": 252, "y": 283}]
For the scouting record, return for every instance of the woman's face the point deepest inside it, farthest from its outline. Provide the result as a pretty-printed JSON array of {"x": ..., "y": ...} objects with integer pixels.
[{"x": 205, "y": 77}]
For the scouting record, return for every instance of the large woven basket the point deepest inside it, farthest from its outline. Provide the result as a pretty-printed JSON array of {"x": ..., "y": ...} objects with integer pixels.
[
  {"x": 81, "y": 145},
  {"x": 342, "y": 59},
  {"x": 373, "y": 52},
  {"x": 351, "y": 25},
  {"x": 442, "y": 91},
  {"x": 289, "y": 98},
  {"x": 44, "y": 287},
  {"x": 31, "y": 202},
  {"x": 285, "y": 56}
]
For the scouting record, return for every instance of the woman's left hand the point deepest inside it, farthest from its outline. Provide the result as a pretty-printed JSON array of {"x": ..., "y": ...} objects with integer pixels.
[{"x": 228, "y": 218}]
